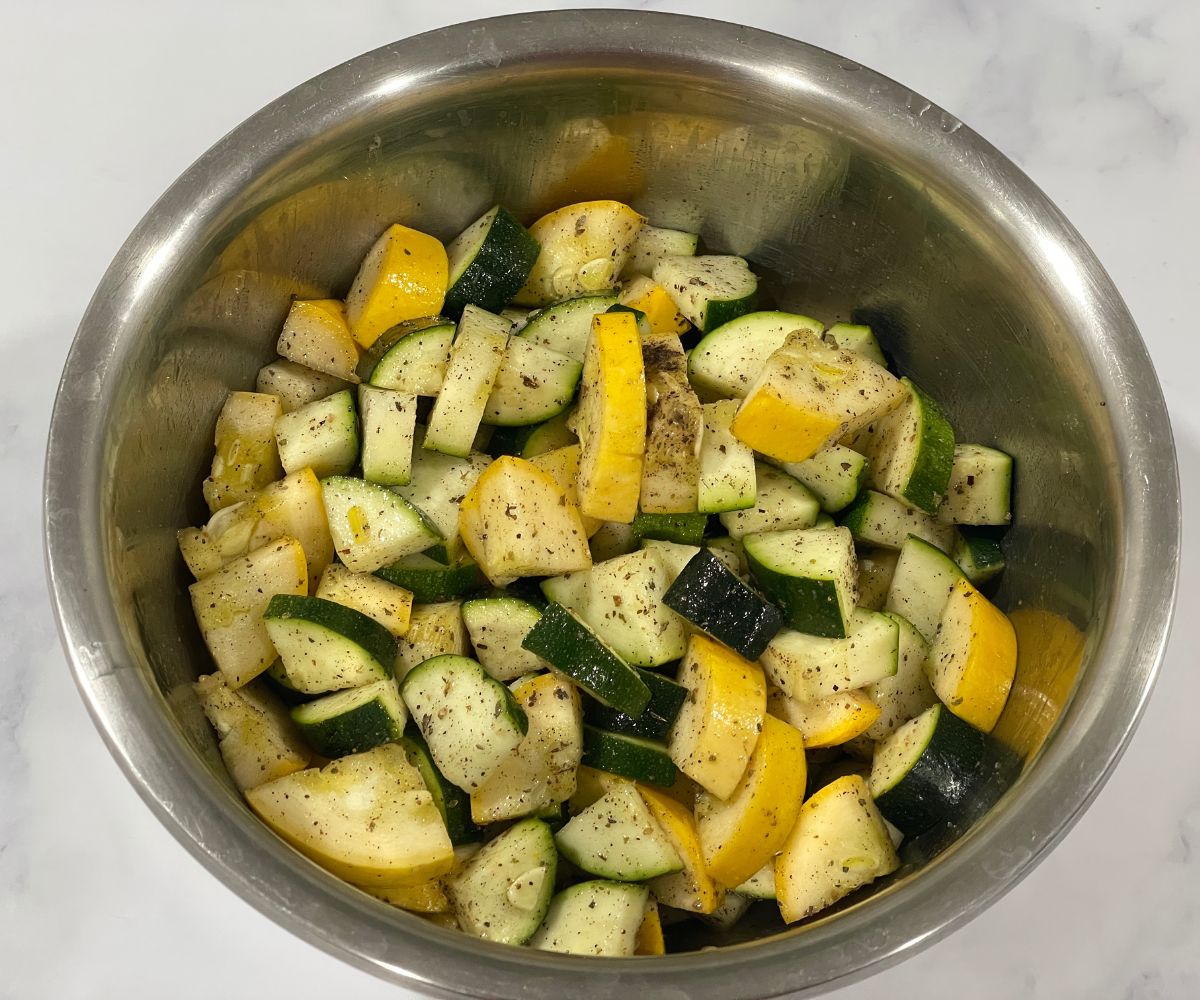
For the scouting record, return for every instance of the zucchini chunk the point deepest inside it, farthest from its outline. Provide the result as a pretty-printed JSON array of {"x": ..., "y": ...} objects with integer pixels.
[
  {"x": 727, "y": 480},
  {"x": 666, "y": 699},
  {"x": 880, "y": 520},
  {"x": 709, "y": 291},
  {"x": 713, "y": 599},
  {"x": 475, "y": 359},
  {"x": 980, "y": 487},
  {"x": 540, "y": 773},
  {"x": 647, "y": 761},
  {"x": 410, "y": 358},
  {"x": 594, "y": 918},
  {"x": 781, "y": 503},
  {"x": 617, "y": 838},
  {"x": 498, "y": 626},
  {"x": 931, "y": 768},
  {"x": 389, "y": 423},
  {"x": 921, "y": 584},
  {"x": 452, "y": 802},
  {"x": 432, "y": 582},
  {"x": 533, "y": 385},
  {"x": 811, "y": 574},
  {"x": 371, "y": 526},
  {"x": 488, "y": 262},
  {"x": 728, "y": 360},
  {"x": 326, "y": 646},
  {"x": 652, "y": 245},
  {"x": 352, "y": 721},
  {"x": 470, "y": 720},
  {"x": 809, "y": 667},
  {"x": 980, "y": 557},
  {"x": 857, "y": 338},
  {"x": 910, "y": 451},
  {"x": 565, "y": 641},
  {"x": 565, "y": 326},
  {"x": 835, "y": 475},
  {"x": 322, "y": 436},
  {"x": 907, "y": 693},
  {"x": 366, "y": 818},
  {"x": 503, "y": 893}
]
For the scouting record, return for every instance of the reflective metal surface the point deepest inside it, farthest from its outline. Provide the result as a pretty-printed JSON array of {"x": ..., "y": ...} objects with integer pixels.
[{"x": 849, "y": 192}]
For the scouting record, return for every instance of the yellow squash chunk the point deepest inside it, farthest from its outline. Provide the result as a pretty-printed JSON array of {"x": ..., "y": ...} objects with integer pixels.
[
  {"x": 584, "y": 247},
  {"x": 809, "y": 395},
  {"x": 427, "y": 897},
  {"x": 692, "y": 889},
  {"x": 316, "y": 335},
  {"x": 650, "y": 935},
  {"x": 674, "y": 424},
  {"x": 827, "y": 722},
  {"x": 839, "y": 843},
  {"x": 647, "y": 296},
  {"x": 368, "y": 818},
  {"x": 540, "y": 772},
  {"x": 973, "y": 659},
  {"x": 611, "y": 420},
  {"x": 742, "y": 833},
  {"x": 255, "y": 735},
  {"x": 563, "y": 466},
  {"x": 714, "y": 735},
  {"x": 246, "y": 458},
  {"x": 402, "y": 277},
  {"x": 433, "y": 629},
  {"x": 516, "y": 521},
  {"x": 229, "y": 606},
  {"x": 292, "y": 507},
  {"x": 388, "y": 604}
]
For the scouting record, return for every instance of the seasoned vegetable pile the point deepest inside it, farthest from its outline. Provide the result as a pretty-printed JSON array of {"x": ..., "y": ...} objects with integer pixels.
[{"x": 559, "y": 593}]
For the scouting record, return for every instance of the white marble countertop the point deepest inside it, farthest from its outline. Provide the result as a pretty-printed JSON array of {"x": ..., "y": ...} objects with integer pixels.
[{"x": 105, "y": 103}]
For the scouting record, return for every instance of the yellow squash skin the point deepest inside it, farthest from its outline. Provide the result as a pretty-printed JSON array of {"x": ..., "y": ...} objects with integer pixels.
[
  {"x": 611, "y": 420},
  {"x": 973, "y": 659},
  {"x": 715, "y": 732},
  {"x": 403, "y": 277},
  {"x": 692, "y": 889},
  {"x": 742, "y": 833}
]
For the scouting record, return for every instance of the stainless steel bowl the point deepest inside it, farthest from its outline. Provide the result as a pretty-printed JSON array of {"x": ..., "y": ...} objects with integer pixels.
[{"x": 853, "y": 194}]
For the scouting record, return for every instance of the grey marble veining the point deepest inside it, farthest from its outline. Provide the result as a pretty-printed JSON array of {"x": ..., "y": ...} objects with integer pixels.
[{"x": 1099, "y": 102}]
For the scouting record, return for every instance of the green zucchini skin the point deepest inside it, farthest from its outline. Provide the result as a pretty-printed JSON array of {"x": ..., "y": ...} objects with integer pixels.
[
  {"x": 959, "y": 767},
  {"x": 564, "y": 640},
  {"x": 354, "y": 729},
  {"x": 666, "y": 699},
  {"x": 499, "y": 268},
  {"x": 712, "y": 598},
  {"x": 808, "y": 605},
  {"x": 360, "y": 629},
  {"x": 433, "y": 582},
  {"x": 686, "y": 529},
  {"x": 931, "y": 472},
  {"x": 452, "y": 802},
  {"x": 628, "y": 756}
]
